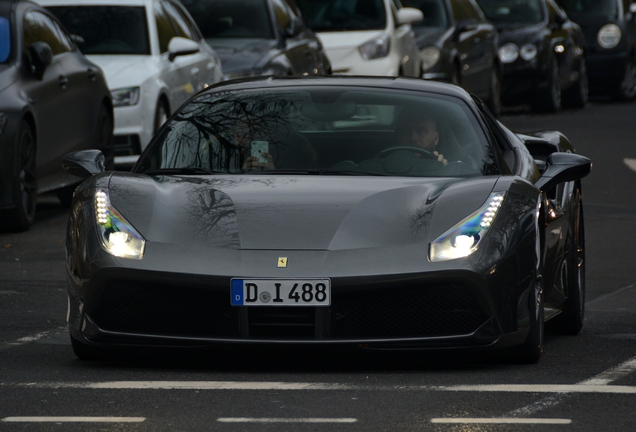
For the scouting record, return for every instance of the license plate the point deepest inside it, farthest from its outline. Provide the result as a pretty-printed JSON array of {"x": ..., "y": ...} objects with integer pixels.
[{"x": 276, "y": 292}]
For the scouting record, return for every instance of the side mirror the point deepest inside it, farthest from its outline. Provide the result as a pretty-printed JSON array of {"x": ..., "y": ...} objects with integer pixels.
[
  {"x": 41, "y": 58},
  {"x": 632, "y": 8},
  {"x": 563, "y": 167},
  {"x": 179, "y": 46},
  {"x": 408, "y": 15},
  {"x": 85, "y": 163},
  {"x": 559, "y": 20},
  {"x": 295, "y": 27}
]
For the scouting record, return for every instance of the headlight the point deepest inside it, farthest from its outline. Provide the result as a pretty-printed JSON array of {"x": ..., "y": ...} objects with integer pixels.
[
  {"x": 528, "y": 52},
  {"x": 430, "y": 57},
  {"x": 246, "y": 73},
  {"x": 508, "y": 53},
  {"x": 375, "y": 48},
  {"x": 609, "y": 36},
  {"x": 125, "y": 96},
  {"x": 464, "y": 238},
  {"x": 117, "y": 236}
]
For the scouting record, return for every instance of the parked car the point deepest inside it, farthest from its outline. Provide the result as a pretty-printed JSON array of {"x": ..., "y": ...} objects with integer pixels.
[
  {"x": 256, "y": 37},
  {"x": 457, "y": 44},
  {"x": 542, "y": 52},
  {"x": 52, "y": 101},
  {"x": 152, "y": 53},
  {"x": 609, "y": 27},
  {"x": 345, "y": 233},
  {"x": 366, "y": 37}
]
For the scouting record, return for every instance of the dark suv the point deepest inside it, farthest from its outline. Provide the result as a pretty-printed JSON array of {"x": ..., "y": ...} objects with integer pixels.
[{"x": 609, "y": 27}]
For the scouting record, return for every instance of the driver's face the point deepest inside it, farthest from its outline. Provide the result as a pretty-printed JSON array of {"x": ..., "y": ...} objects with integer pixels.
[{"x": 419, "y": 133}]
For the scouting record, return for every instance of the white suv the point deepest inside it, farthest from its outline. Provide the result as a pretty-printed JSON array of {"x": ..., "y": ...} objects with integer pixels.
[
  {"x": 152, "y": 54},
  {"x": 366, "y": 37}
]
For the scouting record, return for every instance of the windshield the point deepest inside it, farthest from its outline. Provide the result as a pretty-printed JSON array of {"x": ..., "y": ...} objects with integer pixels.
[
  {"x": 341, "y": 15},
  {"x": 513, "y": 13},
  {"x": 352, "y": 131},
  {"x": 231, "y": 18},
  {"x": 434, "y": 12},
  {"x": 5, "y": 40},
  {"x": 590, "y": 8},
  {"x": 106, "y": 29}
]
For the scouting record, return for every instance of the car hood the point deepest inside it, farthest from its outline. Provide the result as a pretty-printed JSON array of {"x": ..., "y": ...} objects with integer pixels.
[
  {"x": 520, "y": 34},
  {"x": 295, "y": 213},
  {"x": 242, "y": 54},
  {"x": 347, "y": 39},
  {"x": 125, "y": 70}
]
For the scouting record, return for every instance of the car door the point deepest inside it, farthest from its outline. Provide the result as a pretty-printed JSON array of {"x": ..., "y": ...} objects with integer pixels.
[
  {"x": 472, "y": 46},
  {"x": 50, "y": 99},
  {"x": 562, "y": 40},
  {"x": 314, "y": 49},
  {"x": 297, "y": 49},
  {"x": 405, "y": 43}
]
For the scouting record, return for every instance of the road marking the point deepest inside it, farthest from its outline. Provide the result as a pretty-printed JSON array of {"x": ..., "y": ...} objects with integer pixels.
[
  {"x": 33, "y": 338},
  {"x": 501, "y": 421},
  {"x": 631, "y": 163},
  {"x": 237, "y": 385},
  {"x": 74, "y": 419},
  {"x": 285, "y": 420},
  {"x": 613, "y": 293}
]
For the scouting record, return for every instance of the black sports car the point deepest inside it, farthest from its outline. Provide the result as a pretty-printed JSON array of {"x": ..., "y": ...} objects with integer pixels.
[
  {"x": 373, "y": 212},
  {"x": 542, "y": 52},
  {"x": 609, "y": 27},
  {"x": 52, "y": 101},
  {"x": 259, "y": 37},
  {"x": 457, "y": 44}
]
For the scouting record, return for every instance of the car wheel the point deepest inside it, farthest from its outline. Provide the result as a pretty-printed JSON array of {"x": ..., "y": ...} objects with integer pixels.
[
  {"x": 104, "y": 138},
  {"x": 626, "y": 89},
  {"x": 22, "y": 216},
  {"x": 494, "y": 102},
  {"x": 88, "y": 352},
  {"x": 161, "y": 114},
  {"x": 550, "y": 100},
  {"x": 532, "y": 348},
  {"x": 570, "y": 320},
  {"x": 577, "y": 96}
]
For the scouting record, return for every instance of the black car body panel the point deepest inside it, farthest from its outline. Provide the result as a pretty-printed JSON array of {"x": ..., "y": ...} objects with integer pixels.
[
  {"x": 467, "y": 45},
  {"x": 61, "y": 108},
  {"x": 612, "y": 66},
  {"x": 369, "y": 235},
  {"x": 558, "y": 45},
  {"x": 264, "y": 38}
]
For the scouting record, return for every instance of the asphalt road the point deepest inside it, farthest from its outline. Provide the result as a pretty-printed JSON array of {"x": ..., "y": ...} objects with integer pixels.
[{"x": 583, "y": 383}]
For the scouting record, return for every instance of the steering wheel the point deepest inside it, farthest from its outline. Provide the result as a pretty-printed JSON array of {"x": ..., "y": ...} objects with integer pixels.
[{"x": 421, "y": 151}]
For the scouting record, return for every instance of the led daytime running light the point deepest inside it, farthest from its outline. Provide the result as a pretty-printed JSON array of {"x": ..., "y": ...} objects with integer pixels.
[{"x": 117, "y": 235}]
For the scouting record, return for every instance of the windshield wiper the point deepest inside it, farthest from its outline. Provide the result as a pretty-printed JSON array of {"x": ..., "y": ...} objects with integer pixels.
[{"x": 182, "y": 171}]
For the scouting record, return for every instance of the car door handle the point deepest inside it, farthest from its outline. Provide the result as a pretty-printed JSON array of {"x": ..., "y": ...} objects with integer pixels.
[
  {"x": 92, "y": 75},
  {"x": 63, "y": 81}
]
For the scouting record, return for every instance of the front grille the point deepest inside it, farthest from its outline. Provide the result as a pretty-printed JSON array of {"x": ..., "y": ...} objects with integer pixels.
[
  {"x": 282, "y": 322},
  {"x": 166, "y": 310},
  {"x": 427, "y": 312},
  {"x": 126, "y": 145}
]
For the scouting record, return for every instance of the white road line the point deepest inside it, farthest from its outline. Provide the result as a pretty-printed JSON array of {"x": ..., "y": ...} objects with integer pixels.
[
  {"x": 613, "y": 293},
  {"x": 501, "y": 421},
  {"x": 73, "y": 419},
  {"x": 631, "y": 163},
  {"x": 285, "y": 420}
]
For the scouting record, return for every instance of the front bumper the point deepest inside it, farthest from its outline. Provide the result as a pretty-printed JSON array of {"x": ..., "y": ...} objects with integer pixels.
[
  {"x": 606, "y": 68},
  {"x": 522, "y": 78}
]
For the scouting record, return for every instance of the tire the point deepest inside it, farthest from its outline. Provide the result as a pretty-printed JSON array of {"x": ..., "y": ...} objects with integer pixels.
[
  {"x": 626, "y": 89},
  {"x": 104, "y": 137},
  {"x": 532, "y": 348},
  {"x": 550, "y": 100},
  {"x": 494, "y": 101},
  {"x": 570, "y": 320},
  {"x": 578, "y": 95},
  {"x": 89, "y": 352},
  {"x": 161, "y": 113},
  {"x": 21, "y": 217}
]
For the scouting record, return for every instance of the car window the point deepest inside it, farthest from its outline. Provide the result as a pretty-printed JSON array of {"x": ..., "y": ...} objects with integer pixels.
[
  {"x": 231, "y": 18},
  {"x": 512, "y": 13},
  {"x": 590, "y": 8},
  {"x": 434, "y": 12},
  {"x": 179, "y": 24},
  {"x": 106, "y": 29},
  {"x": 40, "y": 28},
  {"x": 187, "y": 20},
  {"x": 368, "y": 132},
  {"x": 165, "y": 30},
  {"x": 282, "y": 13},
  {"x": 338, "y": 15},
  {"x": 5, "y": 39}
]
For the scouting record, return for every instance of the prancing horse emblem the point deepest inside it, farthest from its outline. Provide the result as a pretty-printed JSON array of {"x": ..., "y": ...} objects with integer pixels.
[{"x": 282, "y": 262}]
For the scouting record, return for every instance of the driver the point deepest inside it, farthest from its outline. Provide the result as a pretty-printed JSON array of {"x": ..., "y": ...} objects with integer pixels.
[{"x": 419, "y": 129}]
